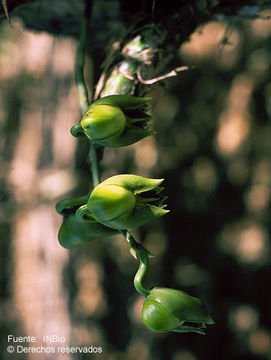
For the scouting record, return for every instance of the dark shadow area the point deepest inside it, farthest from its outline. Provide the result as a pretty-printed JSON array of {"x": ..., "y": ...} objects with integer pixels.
[{"x": 212, "y": 146}]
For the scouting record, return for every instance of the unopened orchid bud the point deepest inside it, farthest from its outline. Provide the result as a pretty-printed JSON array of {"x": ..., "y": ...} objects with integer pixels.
[
  {"x": 126, "y": 201},
  {"x": 103, "y": 121},
  {"x": 115, "y": 121},
  {"x": 173, "y": 310},
  {"x": 109, "y": 202}
]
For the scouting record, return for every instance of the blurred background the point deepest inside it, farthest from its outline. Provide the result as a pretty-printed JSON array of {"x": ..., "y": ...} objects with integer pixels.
[{"x": 212, "y": 147}]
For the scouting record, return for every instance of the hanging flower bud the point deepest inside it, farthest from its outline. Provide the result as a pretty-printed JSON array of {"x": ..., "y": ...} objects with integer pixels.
[
  {"x": 125, "y": 201},
  {"x": 174, "y": 310},
  {"x": 74, "y": 231},
  {"x": 103, "y": 121},
  {"x": 115, "y": 121}
]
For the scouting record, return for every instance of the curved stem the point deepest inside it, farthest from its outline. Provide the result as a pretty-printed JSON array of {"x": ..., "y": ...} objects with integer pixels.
[
  {"x": 143, "y": 267},
  {"x": 143, "y": 255},
  {"x": 130, "y": 239}
]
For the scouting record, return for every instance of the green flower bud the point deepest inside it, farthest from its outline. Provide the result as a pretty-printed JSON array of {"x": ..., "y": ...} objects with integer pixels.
[
  {"x": 111, "y": 201},
  {"x": 74, "y": 231},
  {"x": 103, "y": 121},
  {"x": 126, "y": 201},
  {"x": 174, "y": 310},
  {"x": 115, "y": 121}
]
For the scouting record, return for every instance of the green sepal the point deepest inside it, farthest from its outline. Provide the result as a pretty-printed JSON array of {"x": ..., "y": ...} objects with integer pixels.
[
  {"x": 140, "y": 215},
  {"x": 135, "y": 183},
  {"x": 74, "y": 232},
  {"x": 125, "y": 102},
  {"x": 130, "y": 135},
  {"x": 156, "y": 316},
  {"x": 174, "y": 310},
  {"x": 194, "y": 329},
  {"x": 182, "y": 305}
]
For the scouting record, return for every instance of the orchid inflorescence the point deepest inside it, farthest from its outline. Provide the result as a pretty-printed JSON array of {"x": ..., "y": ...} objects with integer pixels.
[{"x": 124, "y": 202}]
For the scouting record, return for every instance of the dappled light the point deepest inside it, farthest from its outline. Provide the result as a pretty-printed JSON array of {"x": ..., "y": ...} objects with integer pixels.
[
  {"x": 234, "y": 121},
  {"x": 212, "y": 146},
  {"x": 189, "y": 274},
  {"x": 90, "y": 299},
  {"x": 146, "y": 155},
  {"x": 214, "y": 41},
  {"x": 247, "y": 242},
  {"x": 260, "y": 342},
  {"x": 233, "y": 131},
  {"x": 243, "y": 318},
  {"x": 184, "y": 355},
  {"x": 260, "y": 27},
  {"x": 257, "y": 198}
]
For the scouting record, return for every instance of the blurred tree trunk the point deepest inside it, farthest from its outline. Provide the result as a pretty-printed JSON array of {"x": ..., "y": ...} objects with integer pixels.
[
  {"x": 35, "y": 92},
  {"x": 36, "y": 264}
]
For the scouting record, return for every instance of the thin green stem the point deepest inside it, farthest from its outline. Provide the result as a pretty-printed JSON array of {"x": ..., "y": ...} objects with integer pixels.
[
  {"x": 143, "y": 255},
  {"x": 130, "y": 239},
  {"x": 143, "y": 267},
  {"x": 95, "y": 171}
]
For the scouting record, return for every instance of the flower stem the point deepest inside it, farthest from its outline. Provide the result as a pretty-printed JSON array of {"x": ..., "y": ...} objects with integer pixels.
[
  {"x": 143, "y": 267},
  {"x": 136, "y": 248},
  {"x": 96, "y": 178},
  {"x": 143, "y": 255}
]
